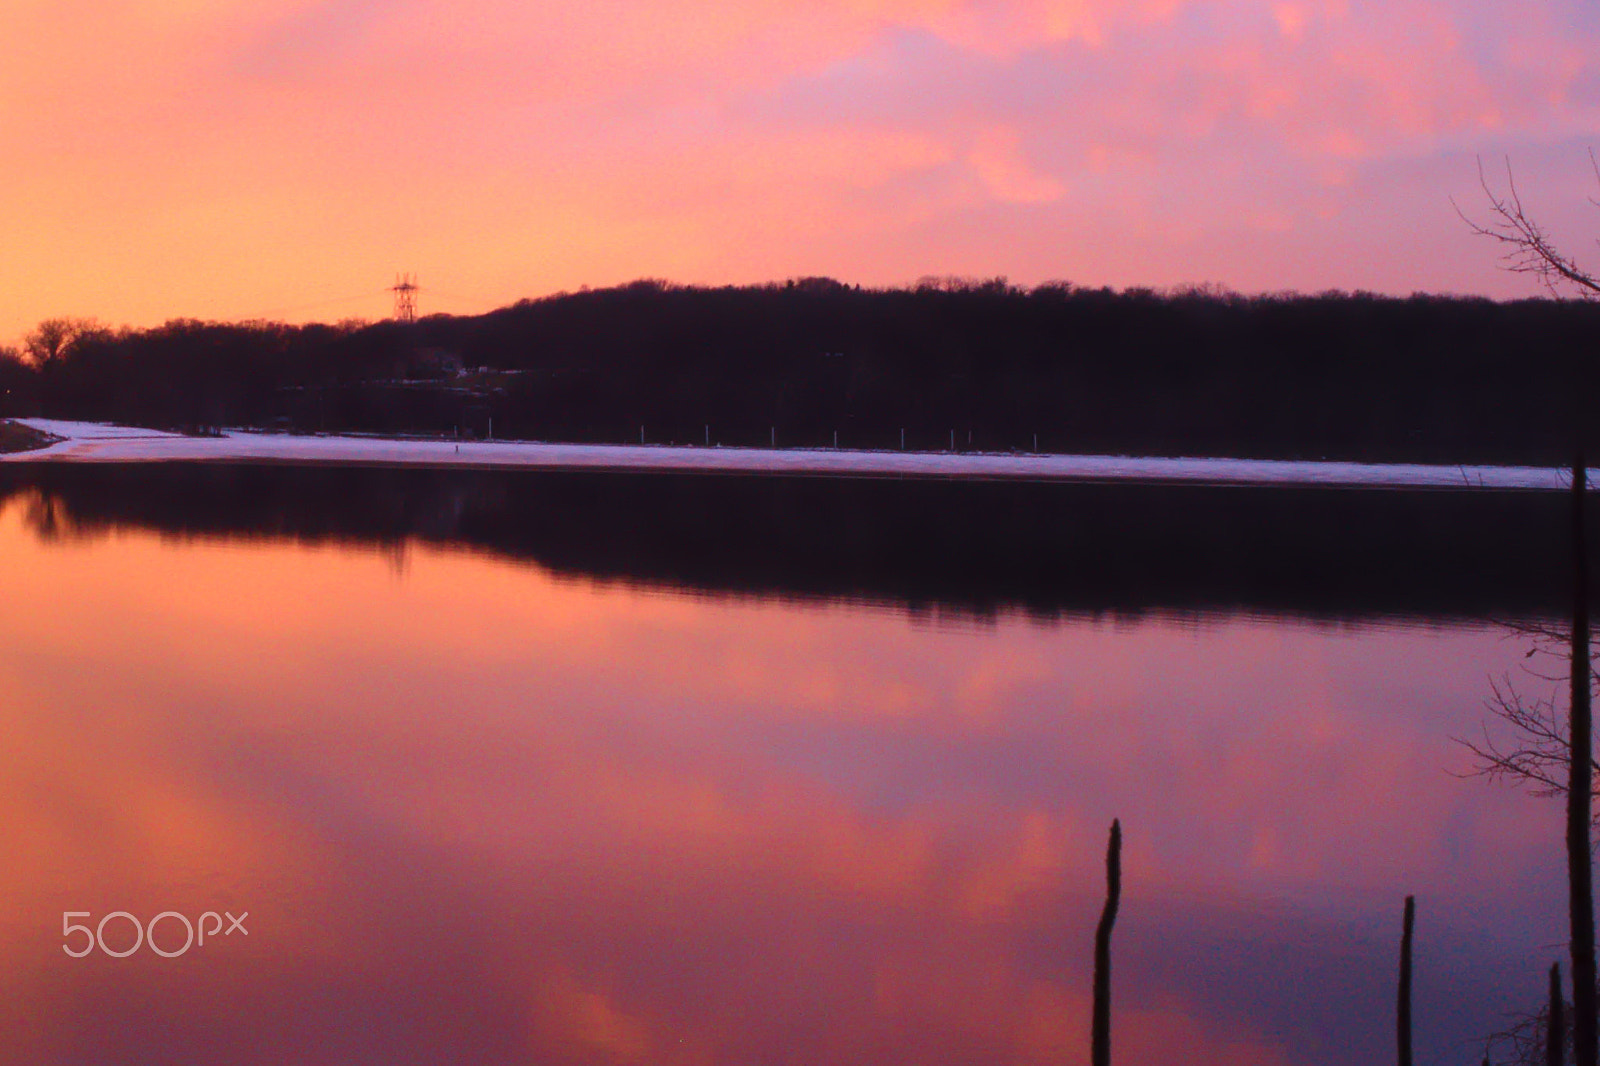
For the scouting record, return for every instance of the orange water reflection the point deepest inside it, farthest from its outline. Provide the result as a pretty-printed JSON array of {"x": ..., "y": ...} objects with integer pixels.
[{"x": 478, "y": 814}]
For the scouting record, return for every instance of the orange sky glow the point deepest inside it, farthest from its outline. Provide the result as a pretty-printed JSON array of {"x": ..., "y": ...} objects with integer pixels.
[{"x": 234, "y": 159}]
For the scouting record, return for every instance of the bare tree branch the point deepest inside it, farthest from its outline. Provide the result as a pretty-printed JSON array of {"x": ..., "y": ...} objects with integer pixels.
[
  {"x": 1537, "y": 752},
  {"x": 1525, "y": 1040},
  {"x": 1527, "y": 249}
]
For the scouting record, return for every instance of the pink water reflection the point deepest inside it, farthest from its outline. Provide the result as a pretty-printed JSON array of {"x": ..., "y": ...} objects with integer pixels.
[{"x": 478, "y": 814}]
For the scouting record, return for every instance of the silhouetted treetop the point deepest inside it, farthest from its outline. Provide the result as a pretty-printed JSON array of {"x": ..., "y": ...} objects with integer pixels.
[{"x": 982, "y": 363}]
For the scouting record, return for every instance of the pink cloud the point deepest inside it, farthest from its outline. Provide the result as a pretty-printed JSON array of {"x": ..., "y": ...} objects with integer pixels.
[{"x": 275, "y": 152}]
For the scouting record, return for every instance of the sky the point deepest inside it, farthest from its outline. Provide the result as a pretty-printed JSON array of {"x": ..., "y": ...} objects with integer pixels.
[{"x": 286, "y": 159}]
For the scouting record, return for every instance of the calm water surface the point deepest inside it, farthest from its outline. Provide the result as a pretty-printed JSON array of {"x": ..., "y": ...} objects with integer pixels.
[{"x": 480, "y": 813}]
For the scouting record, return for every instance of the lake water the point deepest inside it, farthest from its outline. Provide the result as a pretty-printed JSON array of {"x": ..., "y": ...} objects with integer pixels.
[{"x": 492, "y": 794}]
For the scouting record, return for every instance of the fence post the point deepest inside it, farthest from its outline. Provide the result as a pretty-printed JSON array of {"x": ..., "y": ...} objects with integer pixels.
[
  {"x": 1100, "y": 1052},
  {"x": 1555, "y": 1036},
  {"x": 1403, "y": 1006}
]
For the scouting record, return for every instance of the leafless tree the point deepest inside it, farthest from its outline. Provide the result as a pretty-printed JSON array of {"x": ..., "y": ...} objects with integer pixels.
[
  {"x": 1547, "y": 745},
  {"x": 1525, "y": 1041},
  {"x": 1525, "y": 247},
  {"x": 1540, "y": 762},
  {"x": 1528, "y": 249},
  {"x": 1536, "y": 751},
  {"x": 52, "y": 339}
]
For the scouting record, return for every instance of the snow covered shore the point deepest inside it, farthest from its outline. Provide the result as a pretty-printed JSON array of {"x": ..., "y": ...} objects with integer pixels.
[{"x": 89, "y": 442}]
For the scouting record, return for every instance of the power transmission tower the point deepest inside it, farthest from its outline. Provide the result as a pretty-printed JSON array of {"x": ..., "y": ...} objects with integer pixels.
[{"x": 405, "y": 297}]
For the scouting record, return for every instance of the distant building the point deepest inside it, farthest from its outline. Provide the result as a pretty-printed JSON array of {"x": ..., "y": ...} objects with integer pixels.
[{"x": 430, "y": 363}]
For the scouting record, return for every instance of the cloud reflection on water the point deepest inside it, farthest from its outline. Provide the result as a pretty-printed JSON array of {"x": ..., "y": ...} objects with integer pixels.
[{"x": 480, "y": 814}]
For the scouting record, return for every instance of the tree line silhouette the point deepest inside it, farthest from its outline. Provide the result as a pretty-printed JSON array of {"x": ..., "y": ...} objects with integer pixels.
[
  {"x": 941, "y": 547},
  {"x": 948, "y": 363}
]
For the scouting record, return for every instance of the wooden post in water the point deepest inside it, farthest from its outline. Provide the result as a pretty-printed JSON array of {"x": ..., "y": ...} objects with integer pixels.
[
  {"x": 1403, "y": 1006},
  {"x": 1580, "y": 871},
  {"x": 1100, "y": 1051},
  {"x": 1555, "y": 1036}
]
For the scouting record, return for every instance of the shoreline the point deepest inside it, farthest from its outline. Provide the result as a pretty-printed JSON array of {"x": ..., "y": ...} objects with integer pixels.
[{"x": 89, "y": 442}]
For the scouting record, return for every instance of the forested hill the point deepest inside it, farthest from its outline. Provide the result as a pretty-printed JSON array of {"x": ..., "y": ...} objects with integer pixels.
[{"x": 986, "y": 366}]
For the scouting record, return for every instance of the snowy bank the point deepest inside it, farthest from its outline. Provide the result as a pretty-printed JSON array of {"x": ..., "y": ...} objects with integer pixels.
[{"x": 88, "y": 442}]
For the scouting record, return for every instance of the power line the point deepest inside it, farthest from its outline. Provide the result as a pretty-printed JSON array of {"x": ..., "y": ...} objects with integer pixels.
[{"x": 369, "y": 295}]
